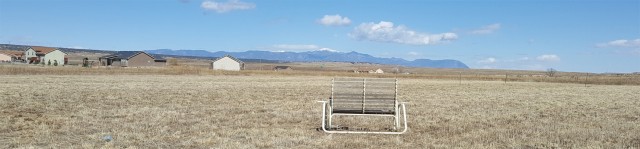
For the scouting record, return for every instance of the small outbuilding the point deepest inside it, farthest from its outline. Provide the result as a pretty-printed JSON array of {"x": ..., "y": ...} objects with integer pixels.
[
  {"x": 227, "y": 62},
  {"x": 128, "y": 59},
  {"x": 376, "y": 71}
]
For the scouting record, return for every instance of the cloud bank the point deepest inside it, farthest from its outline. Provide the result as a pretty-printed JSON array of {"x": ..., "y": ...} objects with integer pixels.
[
  {"x": 623, "y": 43},
  {"x": 334, "y": 20},
  {"x": 222, "y": 7},
  {"x": 548, "y": 58},
  {"x": 541, "y": 62},
  {"x": 489, "y": 60},
  {"x": 388, "y": 32},
  {"x": 487, "y": 29}
]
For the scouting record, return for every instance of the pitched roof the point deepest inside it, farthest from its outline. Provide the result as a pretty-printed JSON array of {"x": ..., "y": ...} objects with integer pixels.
[
  {"x": 126, "y": 54},
  {"x": 43, "y": 50},
  {"x": 12, "y": 53},
  {"x": 231, "y": 57},
  {"x": 157, "y": 57}
]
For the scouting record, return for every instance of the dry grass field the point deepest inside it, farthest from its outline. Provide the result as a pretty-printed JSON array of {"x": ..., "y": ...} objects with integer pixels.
[{"x": 280, "y": 111}]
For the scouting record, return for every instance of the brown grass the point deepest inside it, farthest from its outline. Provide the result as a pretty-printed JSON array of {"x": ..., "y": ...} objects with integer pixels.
[
  {"x": 461, "y": 75},
  {"x": 279, "y": 111}
]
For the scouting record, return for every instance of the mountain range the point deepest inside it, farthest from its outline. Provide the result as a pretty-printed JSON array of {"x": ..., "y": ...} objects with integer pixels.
[{"x": 312, "y": 56}]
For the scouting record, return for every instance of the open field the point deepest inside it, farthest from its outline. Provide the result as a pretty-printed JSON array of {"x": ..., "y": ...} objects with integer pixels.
[
  {"x": 461, "y": 75},
  {"x": 271, "y": 111}
]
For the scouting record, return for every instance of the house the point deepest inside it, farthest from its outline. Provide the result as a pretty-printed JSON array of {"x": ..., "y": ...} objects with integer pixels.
[
  {"x": 227, "y": 62},
  {"x": 279, "y": 68},
  {"x": 37, "y": 54},
  {"x": 159, "y": 61},
  {"x": 10, "y": 56},
  {"x": 5, "y": 57},
  {"x": 129, "y": 59}
]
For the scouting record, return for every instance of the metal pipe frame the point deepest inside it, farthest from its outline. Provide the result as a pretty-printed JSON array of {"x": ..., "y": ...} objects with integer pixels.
[{"x": 324, "y": 119}]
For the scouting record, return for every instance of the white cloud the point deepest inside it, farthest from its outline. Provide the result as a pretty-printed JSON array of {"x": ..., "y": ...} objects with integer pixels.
[
  {"x": 222, "y": 7},
  {"x": 387, "y": 32},
  {"x": 489, "y": 60},
  {"x": 540, "y": 62},
  {"x": 413, "y": 53},
  {"x": 334, "y": 20},
  {"x": 548, "y": 58},
  {"x": 487, "y": 29},
  {"x": 633, "y": 43}
]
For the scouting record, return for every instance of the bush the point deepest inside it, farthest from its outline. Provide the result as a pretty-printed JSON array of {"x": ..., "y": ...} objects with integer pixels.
[
  {"x": 172, "y": 62},
  {"x": 49, "y": 63},
  {"x": 55, "y": 62}
]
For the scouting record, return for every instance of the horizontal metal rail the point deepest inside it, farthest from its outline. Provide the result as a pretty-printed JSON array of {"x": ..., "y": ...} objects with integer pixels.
[
  {"x": 324, "y": 114},
  {"x": 363, "y": 114}
]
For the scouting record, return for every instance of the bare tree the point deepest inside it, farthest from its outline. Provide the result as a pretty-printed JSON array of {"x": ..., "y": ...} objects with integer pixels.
[{"x": 551, "y": 72}]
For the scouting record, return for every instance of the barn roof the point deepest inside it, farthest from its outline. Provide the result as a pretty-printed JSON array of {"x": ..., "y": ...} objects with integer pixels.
[
  {"x": 231, "y": 57},
  {"x": 126, "y": 54},
  {"x": 43, "y": 50},
  {"x": 12, "y": 53}
]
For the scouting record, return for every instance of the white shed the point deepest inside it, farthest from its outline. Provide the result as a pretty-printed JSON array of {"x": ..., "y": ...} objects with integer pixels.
[
  {"x": 227, "y": 62},
  {"x": 379, "y": 71}
]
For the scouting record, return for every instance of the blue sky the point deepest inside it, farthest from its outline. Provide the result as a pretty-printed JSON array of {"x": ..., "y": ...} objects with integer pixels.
[{"x": 585, "y": 36}]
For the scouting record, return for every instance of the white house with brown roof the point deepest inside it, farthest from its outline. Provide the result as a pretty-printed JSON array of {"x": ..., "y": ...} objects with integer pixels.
[
  {"x": 227, "y": 62},
  {"x": 44, "y": 55},
  {"x": 10, "y": 56},
  {"x": 6, "y": 57}
]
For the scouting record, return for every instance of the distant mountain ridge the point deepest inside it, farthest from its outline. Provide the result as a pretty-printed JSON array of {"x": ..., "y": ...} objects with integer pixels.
[
  {"x": 311, "y": 56},
  {"x": 268, "y": 56}
]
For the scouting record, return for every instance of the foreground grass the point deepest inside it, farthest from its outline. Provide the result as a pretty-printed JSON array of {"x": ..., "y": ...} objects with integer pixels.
[{"x": 270, "y": 111}]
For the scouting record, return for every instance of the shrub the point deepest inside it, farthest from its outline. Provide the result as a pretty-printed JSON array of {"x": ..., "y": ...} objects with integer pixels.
[
  {"x": 172, "y": 62},
  {"x": 55, "y": 62}
]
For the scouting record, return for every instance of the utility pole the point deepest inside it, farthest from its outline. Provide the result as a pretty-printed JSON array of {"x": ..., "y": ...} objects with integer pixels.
[{"x": 505, "y": 77}]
